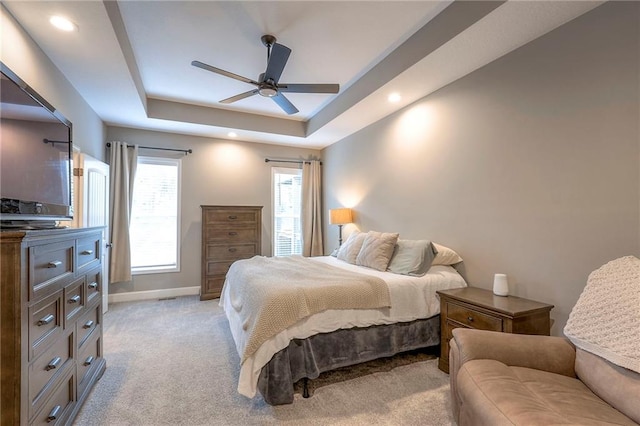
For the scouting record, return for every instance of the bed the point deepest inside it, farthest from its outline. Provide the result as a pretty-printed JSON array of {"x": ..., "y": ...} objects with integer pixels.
[{"x": 326, "y": 339}]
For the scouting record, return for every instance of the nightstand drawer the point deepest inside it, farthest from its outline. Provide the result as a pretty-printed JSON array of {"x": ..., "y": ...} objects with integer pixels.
[{"x": 472, "y": 318}]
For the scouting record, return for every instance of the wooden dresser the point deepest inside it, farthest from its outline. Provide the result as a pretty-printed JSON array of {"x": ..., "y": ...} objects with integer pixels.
[
  {"x": 51, "y": 317},
  {"x": 229, "y": 233},
  {"x": 478, "y": 308}
]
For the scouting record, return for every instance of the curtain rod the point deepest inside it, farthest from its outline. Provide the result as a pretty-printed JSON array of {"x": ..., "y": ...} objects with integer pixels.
[
  {"x": 276, "y": 160},
  {"x": 186, "y": 151}
]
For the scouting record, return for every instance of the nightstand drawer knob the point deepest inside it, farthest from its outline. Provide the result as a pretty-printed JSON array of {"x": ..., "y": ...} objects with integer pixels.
[
  {"x": 93, "y": 285},
  {"x": 470, "y": 319},
  {"x": 74, "y": 299},
  {"x": 88, "y": 324},
  {"x": 88, "y": 361}
]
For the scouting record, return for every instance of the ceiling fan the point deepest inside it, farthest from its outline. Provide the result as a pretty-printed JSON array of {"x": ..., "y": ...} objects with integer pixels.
[{"x": 268, "y": 82}]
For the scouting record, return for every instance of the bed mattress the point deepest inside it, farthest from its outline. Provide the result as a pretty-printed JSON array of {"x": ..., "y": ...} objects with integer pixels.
[{"x": 411, "y": 298}]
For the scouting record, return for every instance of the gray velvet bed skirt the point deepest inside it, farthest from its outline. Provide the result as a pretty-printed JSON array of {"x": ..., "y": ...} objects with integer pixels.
[{"x": 307, "y": 358}]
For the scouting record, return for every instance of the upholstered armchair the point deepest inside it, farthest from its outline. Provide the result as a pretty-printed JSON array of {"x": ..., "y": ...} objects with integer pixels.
[{"x": 590, "y": 378}]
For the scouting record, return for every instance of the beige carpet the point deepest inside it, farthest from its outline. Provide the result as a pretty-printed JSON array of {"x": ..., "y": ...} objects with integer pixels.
[{"x": 173, "y": 362}]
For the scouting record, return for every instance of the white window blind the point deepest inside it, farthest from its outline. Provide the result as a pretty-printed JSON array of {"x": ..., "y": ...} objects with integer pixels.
[
  {"x": 287, "y": 194},
  {"x": 155, "y": 216}
]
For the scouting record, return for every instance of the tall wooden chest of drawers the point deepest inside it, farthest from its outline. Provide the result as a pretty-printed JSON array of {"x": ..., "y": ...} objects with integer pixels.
[
  {"x": 51, "y": 317},
  {"x": 229, "y": 233}
]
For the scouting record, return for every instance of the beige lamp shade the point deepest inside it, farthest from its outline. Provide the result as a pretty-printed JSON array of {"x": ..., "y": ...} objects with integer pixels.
[{"x": 340, "y": 216}]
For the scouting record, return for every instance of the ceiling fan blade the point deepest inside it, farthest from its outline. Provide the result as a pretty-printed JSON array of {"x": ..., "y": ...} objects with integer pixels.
[
  {"x": 285, "y": 104},
  {"x": 277, "y": 60},
  {"x": 240, "y": 96},
  {"x": 309, "y": 88},
  {"x": 223, "y": 72}
]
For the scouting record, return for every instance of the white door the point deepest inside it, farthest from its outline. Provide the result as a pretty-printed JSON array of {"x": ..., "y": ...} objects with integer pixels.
[{"x": 92, "y": 208}]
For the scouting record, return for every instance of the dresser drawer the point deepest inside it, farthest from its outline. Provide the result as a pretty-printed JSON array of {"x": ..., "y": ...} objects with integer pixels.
[
  {"x": 88, "y": 252},
  {"x": 218, "y": 268},
  {"x": 213, "y": 285},
  {"x": 87, "y": 323},
  {"x": 59, "y": 406},
  {"x": 230, "y": 216},
  {"x": 472, "y": 318},
  {"x": 50, "y": 267},
  {"x": 230, "y": 234},
  {"x": 45, "y": 323},
  {"x": 88, "y": 360},
  {"x": 44, "y": 371},
  {"x": 74, "y": 301},
  {"x": 230, "y": 252},
  {"x": 94, "y": 285}
]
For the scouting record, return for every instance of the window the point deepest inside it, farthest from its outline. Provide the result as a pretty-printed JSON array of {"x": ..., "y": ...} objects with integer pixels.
[
  {"x": 155, "y": 216},
  {"x": 287, "y": 195}
]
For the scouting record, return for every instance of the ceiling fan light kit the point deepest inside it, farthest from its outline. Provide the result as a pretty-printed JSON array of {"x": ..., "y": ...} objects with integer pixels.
[{"x": 268, "y": 82}]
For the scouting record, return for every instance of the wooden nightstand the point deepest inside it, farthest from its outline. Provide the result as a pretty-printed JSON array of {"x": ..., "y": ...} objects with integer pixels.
[{"x": 472, "y": 307}]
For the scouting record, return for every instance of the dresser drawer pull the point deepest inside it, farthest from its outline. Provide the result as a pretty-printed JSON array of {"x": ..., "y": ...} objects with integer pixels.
[
  {"x": 53, "y": 414},
  {"x": 46, "y": 320},
  {"x": 54, "y": 264},
  {"x": 88, "y": 324},
  {"x": 233, "y": 217},
  {"x": 233, "y": 233},
  {"x": 232, "y": 249},
  {"x": 53, "y": 363},
  {"x": 470, "y": 319},
  {"x": 93, "y": 285},
  {"x": 74, "y": 299},
  {"x": 87, "y": 252},
  {"x": 88, "y": 361}
]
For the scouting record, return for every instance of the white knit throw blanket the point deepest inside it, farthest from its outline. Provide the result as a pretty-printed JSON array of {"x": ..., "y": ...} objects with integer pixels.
[
  {"x": 606, "y": 319},
  {"x": 272, "y": 293}
]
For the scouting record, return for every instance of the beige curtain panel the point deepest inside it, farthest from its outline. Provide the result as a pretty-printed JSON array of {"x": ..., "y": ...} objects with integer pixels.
[
  {"x": 123, "y": 169},
  {"x": 312, "y": 244}
]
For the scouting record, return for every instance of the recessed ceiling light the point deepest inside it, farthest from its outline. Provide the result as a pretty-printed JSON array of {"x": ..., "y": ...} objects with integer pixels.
[
  {"x": 394, "y": 97},
  {"x": 62, "y": 23},
  {"x": 232, "y": 134}
]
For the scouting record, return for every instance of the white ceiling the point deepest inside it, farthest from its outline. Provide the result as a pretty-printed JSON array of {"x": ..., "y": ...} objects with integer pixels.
[{"x": 131, "y": 60}]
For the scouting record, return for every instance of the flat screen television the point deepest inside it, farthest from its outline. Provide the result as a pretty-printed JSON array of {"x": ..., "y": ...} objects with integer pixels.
[{"x": 35, "y": 158}]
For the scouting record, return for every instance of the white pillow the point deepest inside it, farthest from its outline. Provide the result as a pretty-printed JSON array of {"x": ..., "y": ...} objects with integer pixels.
[
  {"x": 349, "y": 250},
  {"x": 412, "y": 257},
  {"x": 377, "y": 250},
  {"x": 445, "y": 256}
]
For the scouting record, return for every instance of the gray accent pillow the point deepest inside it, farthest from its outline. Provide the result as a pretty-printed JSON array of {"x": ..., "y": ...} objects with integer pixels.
[
  {"x": 377, "y": 250},
  {"x": 349, "y": 250},
  {"x": 412, "y": 257}
]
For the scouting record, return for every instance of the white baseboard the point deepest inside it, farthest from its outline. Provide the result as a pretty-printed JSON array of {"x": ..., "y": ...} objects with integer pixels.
[{"x": 132, "y": 296}]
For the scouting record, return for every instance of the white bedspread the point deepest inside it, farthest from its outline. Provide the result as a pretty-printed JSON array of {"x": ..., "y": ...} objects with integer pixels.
[{"x": 411, "y": 298}]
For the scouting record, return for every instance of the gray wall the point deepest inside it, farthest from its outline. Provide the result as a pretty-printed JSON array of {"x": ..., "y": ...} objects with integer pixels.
[
  {"x": 219, "y": 172},
  {"x": 529, "y": 166},
  {"x": 24, "y": 57}
]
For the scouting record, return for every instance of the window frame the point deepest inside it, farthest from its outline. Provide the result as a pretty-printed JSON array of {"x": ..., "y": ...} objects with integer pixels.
[
  {"x": 283, "y": 170},
  {"x": 161, "y": 269}
]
